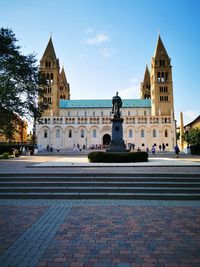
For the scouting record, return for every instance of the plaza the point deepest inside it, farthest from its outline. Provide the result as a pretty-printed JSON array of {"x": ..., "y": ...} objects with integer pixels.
[{"x": 99, "y": 232}]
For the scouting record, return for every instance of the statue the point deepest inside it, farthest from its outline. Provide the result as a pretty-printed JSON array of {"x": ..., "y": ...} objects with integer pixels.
[{"x": 117, "y": 104}]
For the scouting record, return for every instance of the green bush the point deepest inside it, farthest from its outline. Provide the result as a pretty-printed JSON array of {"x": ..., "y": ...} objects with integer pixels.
[
  {"x": 5, "y": 155},
  {"x": 10, "y": 146},
  {"x": 118, "y": 157},
  {"x": 195, "y": 150}
]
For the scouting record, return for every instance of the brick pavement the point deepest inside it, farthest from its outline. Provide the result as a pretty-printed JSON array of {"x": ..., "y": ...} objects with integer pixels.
[
  {"x": 102, "y": 233},
  {"x": 98, "y": 233},
  {"x": 14, "y": 220}
]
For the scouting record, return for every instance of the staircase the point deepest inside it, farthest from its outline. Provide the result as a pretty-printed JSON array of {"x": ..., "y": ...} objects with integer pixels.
[{"x": 100, "y": 186}]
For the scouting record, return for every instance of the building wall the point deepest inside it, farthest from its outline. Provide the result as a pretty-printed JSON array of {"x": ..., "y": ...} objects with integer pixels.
[
  {"x": 19, "y": 134},
  {"x": 143, "y": 131}
]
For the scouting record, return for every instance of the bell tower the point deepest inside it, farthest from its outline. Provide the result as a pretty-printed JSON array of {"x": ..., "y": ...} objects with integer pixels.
[
  {"x": 49, "y": 67},
  {"x": 145, "y": 88},
  {"x": 64, "y": 86},
  {"x": 161, "y": 82}
]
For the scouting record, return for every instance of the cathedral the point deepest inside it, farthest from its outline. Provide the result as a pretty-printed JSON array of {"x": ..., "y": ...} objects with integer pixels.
[{"x": 148, "y": 121}]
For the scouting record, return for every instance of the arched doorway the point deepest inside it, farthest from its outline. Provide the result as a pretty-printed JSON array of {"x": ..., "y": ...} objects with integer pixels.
[{"x": 106, "y": 139}]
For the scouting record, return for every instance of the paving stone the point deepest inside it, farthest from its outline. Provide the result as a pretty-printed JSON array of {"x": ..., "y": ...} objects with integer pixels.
[{"x": 105, "y": 233}]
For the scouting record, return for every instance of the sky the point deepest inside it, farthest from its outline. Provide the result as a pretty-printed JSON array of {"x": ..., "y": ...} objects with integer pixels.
[{"x": 104, "y": 45}]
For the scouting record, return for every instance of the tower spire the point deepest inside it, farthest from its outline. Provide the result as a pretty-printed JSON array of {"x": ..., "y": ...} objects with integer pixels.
[
  {"x": 49, "y": 51},
  {"x": 145, "y": 89},
  {"x": 160, "y": 50}
]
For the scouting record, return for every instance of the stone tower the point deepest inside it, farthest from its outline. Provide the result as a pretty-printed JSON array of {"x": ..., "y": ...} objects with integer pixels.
[
  {"x": 161, "y": 82},
  {"x": 145, "y": 89},
  {"x": 58, "y": 87},
  {"x": 181, "y": 131},
  {"x": 64, "y": 90}
]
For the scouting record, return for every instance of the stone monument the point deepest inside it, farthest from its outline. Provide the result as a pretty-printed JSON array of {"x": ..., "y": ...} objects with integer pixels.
[{"x": 117, "y": 142}]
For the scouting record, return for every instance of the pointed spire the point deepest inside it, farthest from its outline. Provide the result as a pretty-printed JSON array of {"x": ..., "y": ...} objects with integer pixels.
[
  {"x": 160, "y": 49},
  {"x": 63, "y": 76},
  {"x": 49, "y": 51},
  {"x": 146, "y": 75}
]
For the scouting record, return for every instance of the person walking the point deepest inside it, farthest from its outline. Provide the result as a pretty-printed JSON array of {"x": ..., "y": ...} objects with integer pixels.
[
  {"x": 177, "y": 150},
  {"x": 153, "y": 150}
]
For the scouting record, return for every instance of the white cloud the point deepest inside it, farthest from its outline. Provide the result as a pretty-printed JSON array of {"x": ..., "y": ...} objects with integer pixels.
[
  {"x": 132, "y": 91},
  {"x": 97, "y": 39}
]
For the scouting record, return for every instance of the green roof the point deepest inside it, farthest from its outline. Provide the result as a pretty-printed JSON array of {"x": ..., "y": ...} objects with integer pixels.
[{"x": 104, "y": 103}]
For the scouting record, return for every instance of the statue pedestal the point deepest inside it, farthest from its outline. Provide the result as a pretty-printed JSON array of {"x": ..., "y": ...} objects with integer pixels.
[{"x": 117, "y": 142}]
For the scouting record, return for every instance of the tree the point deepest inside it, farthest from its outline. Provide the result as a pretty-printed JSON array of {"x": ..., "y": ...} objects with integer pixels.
[
  {"x": 192, "y": 137},
  {"x": 20, "y": 82}
]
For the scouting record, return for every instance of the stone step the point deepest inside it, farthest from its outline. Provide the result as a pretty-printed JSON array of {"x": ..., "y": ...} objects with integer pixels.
[
  {"x": 105, "y": 189},
  {"x": 95, "y": 183},
  {"x": 89, "y": 186},
  {"x": 141, "y": 196},
  {"x": 46, "y": 178},
  {"x": 72, "y": 175}
]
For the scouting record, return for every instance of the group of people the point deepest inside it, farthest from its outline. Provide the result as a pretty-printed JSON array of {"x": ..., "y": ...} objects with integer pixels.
[
  {"x": 50, "y": 148},
  {"x": 76, "y": 148},
  {"x": 176, "y": 149}
]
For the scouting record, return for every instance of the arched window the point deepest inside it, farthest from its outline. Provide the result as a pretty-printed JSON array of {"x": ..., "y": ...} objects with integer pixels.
[
  {"x": 158, "y": 76},
  {"x": 94, "y": 133},
  {"x": 162, "y": 63},
  {"x": 48, "y": 64},
  {"x": 162, "y": 77},
  {"x": 166, "y": 133},
  {"x": 130, "y": 133},
  {"x": 45, "y": 134},
  {"x": 154, "y": 133},
  {"x": 142, "y": 133},
  {"x": 82, "y": 133},
  {"x": 57, "y": 133},
  {"x": 166, "y": 76},
  {"x": 51, "y": 76},
  {"x": 70, "y": 133}
]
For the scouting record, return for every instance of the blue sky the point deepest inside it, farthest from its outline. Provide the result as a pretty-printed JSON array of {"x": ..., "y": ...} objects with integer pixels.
[{"x": 105, "y": 45}]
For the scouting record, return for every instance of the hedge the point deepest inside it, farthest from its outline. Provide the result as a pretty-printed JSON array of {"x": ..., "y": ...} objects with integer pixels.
[
  {"x": 10, "y": 147},
  {"x": 117, "y": 157},
  {"x": 195, "y": 150}
]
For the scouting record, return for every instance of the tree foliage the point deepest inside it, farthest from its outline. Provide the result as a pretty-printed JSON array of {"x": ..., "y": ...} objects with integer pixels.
[
  {"x": 20, "y": 82},
  {"x": 192, "y": 137}
]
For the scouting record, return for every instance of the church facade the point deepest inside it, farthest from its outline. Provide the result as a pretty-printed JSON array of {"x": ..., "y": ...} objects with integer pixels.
[{"x": 148, "y": 121}]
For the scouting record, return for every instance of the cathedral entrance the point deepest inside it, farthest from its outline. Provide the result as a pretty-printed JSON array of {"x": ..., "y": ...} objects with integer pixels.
[{"x": 106, "y": 139}]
